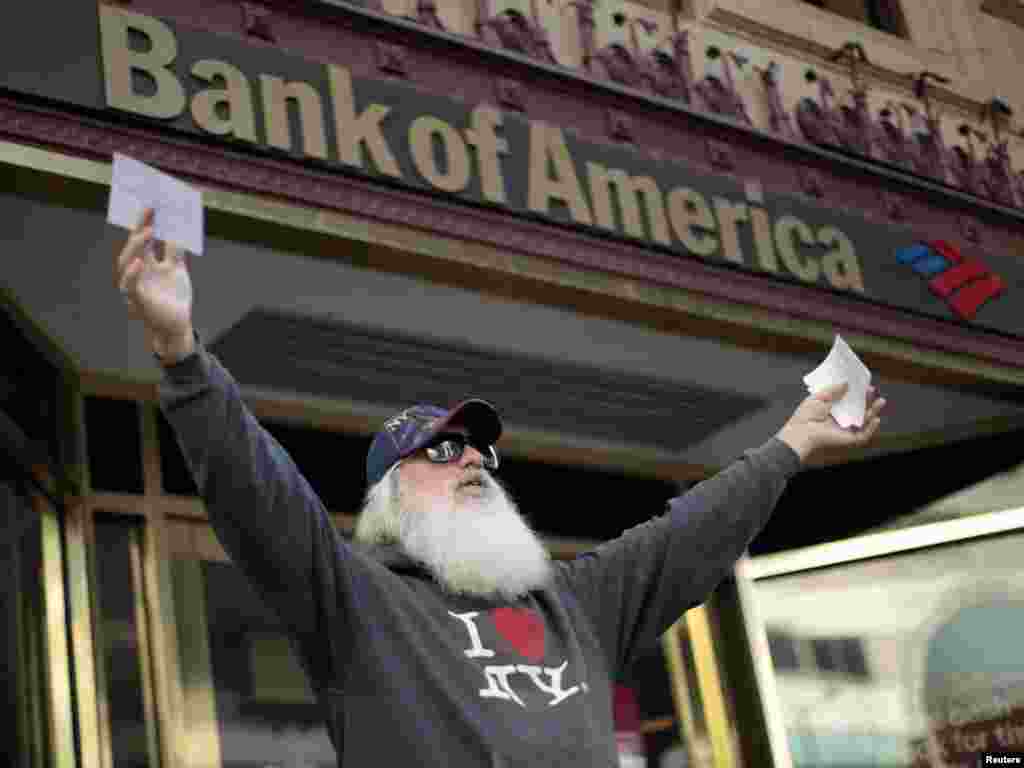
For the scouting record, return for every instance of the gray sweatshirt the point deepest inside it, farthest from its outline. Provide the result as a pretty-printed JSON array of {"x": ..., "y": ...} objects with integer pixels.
[{"x": 409, "y": 674}]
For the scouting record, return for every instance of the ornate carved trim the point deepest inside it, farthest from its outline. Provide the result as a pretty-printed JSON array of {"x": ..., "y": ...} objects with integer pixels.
[
  {"x": 256, "y": 21},
  {"x": 765, "y": 35},
  {"x": 720, "y": 155},
  {"x": 426, "y": 14},
  {"x": 620, "y": 125},
  {"x": 895, "y": 206},
  {"x": 585, "y": 88},
  {"x": 970, "y": 229},
  {"x": 811, "y": 182},
  {"x": 391, "y": 58},
  {"x": 510, "y": 94}
]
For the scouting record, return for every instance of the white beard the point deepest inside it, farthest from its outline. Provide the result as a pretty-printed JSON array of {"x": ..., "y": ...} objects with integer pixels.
[{"x": 475, "y": 543}]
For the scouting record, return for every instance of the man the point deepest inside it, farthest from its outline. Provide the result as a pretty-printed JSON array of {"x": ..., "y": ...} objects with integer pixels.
[{"x": 444, "y": 635}]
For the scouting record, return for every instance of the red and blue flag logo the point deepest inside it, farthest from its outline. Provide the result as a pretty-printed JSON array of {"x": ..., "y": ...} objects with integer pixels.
[{"x": 964, "y": 283}]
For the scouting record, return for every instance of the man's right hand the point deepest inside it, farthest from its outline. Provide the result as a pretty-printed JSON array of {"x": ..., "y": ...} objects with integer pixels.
[{"x": 153, "y": 279}]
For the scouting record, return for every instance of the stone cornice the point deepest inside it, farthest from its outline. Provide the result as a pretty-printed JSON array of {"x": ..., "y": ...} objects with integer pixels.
[{"x": 217, "y": 166}]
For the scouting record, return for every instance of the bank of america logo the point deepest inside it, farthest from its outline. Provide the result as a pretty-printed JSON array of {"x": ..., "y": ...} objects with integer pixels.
[{"x": 964, "y": 283}]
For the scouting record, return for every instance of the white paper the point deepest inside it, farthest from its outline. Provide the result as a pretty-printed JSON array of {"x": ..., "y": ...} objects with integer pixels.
[
  {"x": 843, "y": 366},
  {"x": 177, "y": 207}
]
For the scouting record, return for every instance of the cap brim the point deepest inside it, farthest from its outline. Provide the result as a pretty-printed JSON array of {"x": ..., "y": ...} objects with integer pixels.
[{"x": 477, "y": 416}]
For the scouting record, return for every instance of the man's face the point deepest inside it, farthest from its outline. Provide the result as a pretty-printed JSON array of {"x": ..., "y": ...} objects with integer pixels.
[
  {"x": 456, "y": 482},
  {"x": 457, "y": 519}
]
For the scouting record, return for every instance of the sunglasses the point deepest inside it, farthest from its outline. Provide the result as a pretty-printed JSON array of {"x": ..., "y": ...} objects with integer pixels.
[{"x": 449, "y": 448}]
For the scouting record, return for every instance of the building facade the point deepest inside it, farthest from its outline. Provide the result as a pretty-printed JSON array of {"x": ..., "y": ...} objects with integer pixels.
[{"x": 633, "y": 226}]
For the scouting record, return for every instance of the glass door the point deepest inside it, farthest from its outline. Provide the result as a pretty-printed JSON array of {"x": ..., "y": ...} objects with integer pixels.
[
  {"x": 125, "y": 700},
  {"x": 23, "y": 657}
]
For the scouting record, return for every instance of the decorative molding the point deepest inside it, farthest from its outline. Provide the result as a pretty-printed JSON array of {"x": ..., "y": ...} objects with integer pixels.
[
  {"x": 426, "y": 14},
  {"x": 510, "y": 93},
  {"x": 720, "y": 155},
  {"x": 256, "y": 21},
  {"x": 767, "y": 36},
  {"x": 391, "y": 58},
  {"x": 668, "y": 7},
  {"x": 970, "y": 229},
  {"x": 620, "y": 125},
  {"x": 810, "y": 182},
  {"x": 890, "y": 160},
  {"x": 512, "y": 31},
  {"x": 895, "y": 206}
]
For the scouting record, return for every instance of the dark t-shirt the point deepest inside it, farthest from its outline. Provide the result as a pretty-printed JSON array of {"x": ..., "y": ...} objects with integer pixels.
[{"x": 410, "y": 674}]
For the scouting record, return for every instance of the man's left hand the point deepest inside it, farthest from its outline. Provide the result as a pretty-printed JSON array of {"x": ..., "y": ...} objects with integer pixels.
[{"x": 811, "y": 431}]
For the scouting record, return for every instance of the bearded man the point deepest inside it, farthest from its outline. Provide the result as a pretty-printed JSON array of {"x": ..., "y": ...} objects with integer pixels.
[{"x": 444, "y": 635}]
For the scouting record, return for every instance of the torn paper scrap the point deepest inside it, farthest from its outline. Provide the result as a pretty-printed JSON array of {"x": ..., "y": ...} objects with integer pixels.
[{"x": 843, "y": 366}]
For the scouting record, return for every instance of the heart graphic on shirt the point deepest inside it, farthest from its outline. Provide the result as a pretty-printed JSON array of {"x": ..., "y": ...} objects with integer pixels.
[{"x": 523, "y": 629}]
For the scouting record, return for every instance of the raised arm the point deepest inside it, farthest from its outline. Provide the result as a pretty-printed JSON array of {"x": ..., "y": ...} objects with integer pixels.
[
  {"x": 265, "y": 514},
  {"x": 636, "y": 586}
]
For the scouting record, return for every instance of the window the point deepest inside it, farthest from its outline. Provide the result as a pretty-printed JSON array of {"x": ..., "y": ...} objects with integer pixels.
[
  {"x": 825, "y": 655},
  {"x": 783, "y": 650},
  {"x": 840, "y": 655},
  {"x": 854, "y": 662},
  {"x": 23, "y": 642},
  {"x": 884, "y": 15}
]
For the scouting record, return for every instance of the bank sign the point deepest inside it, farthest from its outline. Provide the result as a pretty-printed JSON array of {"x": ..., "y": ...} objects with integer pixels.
[{"x": 262, "y": 98}]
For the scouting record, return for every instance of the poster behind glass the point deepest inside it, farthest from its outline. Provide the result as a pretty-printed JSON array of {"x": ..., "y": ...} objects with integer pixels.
[{"x": 914, "y": 659}]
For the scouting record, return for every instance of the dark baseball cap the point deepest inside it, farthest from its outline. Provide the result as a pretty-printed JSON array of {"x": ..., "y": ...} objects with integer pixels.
[{"x": 406, "y": 432}]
